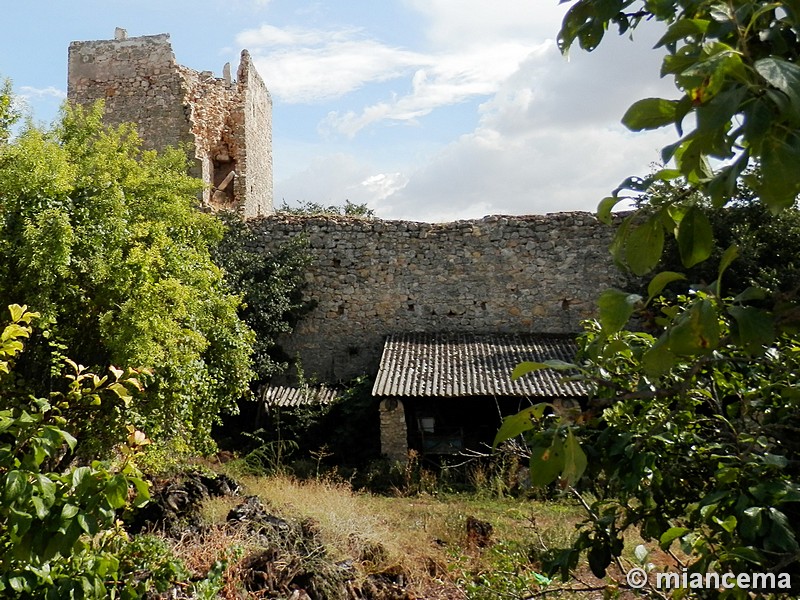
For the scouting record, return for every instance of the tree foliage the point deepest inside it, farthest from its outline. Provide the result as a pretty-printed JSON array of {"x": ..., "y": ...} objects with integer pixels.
[
  {"x": 348, "y": 209},
  {"x": 270, "y": 285},
  {"x": 691, "y": 432},
  {"x": 767, "y": 241},
  {"x": 60, "y": 536},
  {"x": 105, "y": 240},
  {"x": 735, "y": 66},
  {"x": 8, "y": 113}
]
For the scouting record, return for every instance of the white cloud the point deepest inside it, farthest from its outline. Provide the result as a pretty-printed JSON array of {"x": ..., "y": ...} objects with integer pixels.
[
  {"x": 29, "y": 92},
  {"x": 546, "y": 138},
  {"x": 269, "y": 35},
  {"x": 304, "y": 65},
  {"x": 459, "y": 23},
  {"x": 450, "y": 79},
  {"x": 311, "y": 65}
]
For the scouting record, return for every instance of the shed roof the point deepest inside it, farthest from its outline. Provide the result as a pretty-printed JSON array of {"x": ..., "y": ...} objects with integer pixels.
[
  {"x": 448, "y": 365},
  {"x": 298, "y": 396}
]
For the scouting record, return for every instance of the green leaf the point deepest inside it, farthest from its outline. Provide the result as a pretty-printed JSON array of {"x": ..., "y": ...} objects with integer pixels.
[
  {"x": 644, "y": 246},
  {"x": 526, "y": 367},
  {"x": 670, "y": 535},
  {"x": 696, "y": 330},
  {"x": 16, "y": 486},
  {"x": 605, "y": 207},
  {"x": 780, "y": 177},
  {"x": 121, "y": 391},
  {"x": 18, "y": 584},
  {"x": 547, "y": 463},
  {"x": 116, "y": 491},
  {"x": 68, "y": 511},
  {"x": 574, "y": 460},
  {"x": 615, "y": 308},
  {"x": 730, "y": 254},
  {"x": 683, "y": 28},
  {"x": 42, "y": 510},
  {"x": 142, "y": 492},
  {"x": 514, "y": 425},
  {"x": 729, "y": 524},
  {"x": 47, "y": 488},
  {"x": 88, "y": 523},
  {"x": 785, "y": 76},
  {"x": 695, "y": 237},
  {"x": 660, "y": 281},
  {"x": 651, "y": 113},
  {"x": 751, "y": 522},
  {"x": 751, "y": 293},
  {"x": 754, "y": 328},
  {"x": 745, "y": 553},
  {"x": 658, "y": 360},
  {"x": 16, "y": 312},
  {"x": 781, "y": 534}
]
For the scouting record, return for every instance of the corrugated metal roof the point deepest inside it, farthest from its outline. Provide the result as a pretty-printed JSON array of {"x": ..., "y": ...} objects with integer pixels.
[
  {"x": 452, "y": 365},
  {"x": 303, "y": 396}
]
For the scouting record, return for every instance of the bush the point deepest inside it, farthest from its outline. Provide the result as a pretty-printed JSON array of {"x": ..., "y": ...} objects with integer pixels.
[
  {"x": 61, "y": 536},
  {"x": 106, "y": 241}
]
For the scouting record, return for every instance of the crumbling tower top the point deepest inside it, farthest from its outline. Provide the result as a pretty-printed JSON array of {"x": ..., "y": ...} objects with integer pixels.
[{"x": 225, "y": 124}]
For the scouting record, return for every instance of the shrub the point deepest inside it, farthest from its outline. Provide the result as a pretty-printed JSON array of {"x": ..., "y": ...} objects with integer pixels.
[
  {"x": 106, "y": 241},
  {"x": 61, "y": 536}
]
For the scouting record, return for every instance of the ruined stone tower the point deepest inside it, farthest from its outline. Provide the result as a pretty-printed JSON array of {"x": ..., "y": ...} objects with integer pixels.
[{"x": 225, "y": 124}]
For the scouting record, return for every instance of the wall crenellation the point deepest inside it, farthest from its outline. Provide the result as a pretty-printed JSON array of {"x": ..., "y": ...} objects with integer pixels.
[{"x": 538, "y": 273}]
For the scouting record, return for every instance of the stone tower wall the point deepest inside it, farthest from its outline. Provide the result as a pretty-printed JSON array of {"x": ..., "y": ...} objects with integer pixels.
[
  {"x": 225, "y": 125},
  {"x": 139, "y": 81},
  {"x": 538, "y": 274},
  {"x": 257, "y": 135}
]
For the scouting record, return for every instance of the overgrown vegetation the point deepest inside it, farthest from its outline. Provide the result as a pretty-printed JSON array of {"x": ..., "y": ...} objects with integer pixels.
[
  {"x": 309, "y": 439},
  {"x": 348, "y": 209},
  {"x": 105, "y": 241},
  {"x": 60, "y": 536},
  {"x": 270, "y": 285},
  {"x": 690, "y": 436}
]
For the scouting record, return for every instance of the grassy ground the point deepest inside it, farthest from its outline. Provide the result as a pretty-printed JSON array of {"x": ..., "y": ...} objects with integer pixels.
[{"x": 421, "y": 540}]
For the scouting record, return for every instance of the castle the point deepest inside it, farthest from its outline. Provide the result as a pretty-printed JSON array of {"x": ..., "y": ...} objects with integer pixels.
[
  {"x": 537, "y": 274},
  {"x": 490, "y": 282},
  {"x": 224, "y": 124}
]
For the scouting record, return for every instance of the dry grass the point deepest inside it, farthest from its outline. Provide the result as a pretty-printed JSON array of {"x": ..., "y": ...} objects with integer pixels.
[
  {"x": 352, "y": 526},
  {"x": 417, "y": 536}
]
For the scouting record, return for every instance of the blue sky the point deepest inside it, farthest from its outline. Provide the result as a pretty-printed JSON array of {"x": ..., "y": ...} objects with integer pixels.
[{"x": 424, "y": 109}]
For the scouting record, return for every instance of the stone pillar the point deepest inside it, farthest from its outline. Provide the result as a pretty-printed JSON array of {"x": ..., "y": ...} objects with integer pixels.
[{"x": 394, "y": 435}]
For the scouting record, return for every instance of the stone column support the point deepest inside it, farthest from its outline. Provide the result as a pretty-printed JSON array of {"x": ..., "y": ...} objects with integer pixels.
[{"x": 394, "y": 434}]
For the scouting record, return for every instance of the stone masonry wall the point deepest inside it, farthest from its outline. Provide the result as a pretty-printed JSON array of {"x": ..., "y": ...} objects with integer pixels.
[
  {"x": 226, "y": 125},
  {"x": 139, "y": 81},
  {"x": 257, "y": 152},
  {"x": 498, "y": 274}
]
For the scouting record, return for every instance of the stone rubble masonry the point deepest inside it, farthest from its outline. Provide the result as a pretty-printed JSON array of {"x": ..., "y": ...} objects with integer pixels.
[
  {"x": 394, "y": 432},
  {"x": 369, "y": 278},
  {"x": 225, "y": 125}
]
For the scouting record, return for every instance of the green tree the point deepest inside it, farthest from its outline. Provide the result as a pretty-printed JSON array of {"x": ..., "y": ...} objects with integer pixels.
[
  {"x": 270, "y": 285},
  {"x": 692, "y": 428},
  {"x": 768, "y": 242},
  {"x": 8, "y": 114},
  {"x": 348, "y": 209},
  {"x": 105, "y": 239}
]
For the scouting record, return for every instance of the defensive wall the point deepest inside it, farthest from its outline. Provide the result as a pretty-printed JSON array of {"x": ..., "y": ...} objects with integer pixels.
[
  {"x": 369, "y": 278},
  {"x": 225, "y": 125}
]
